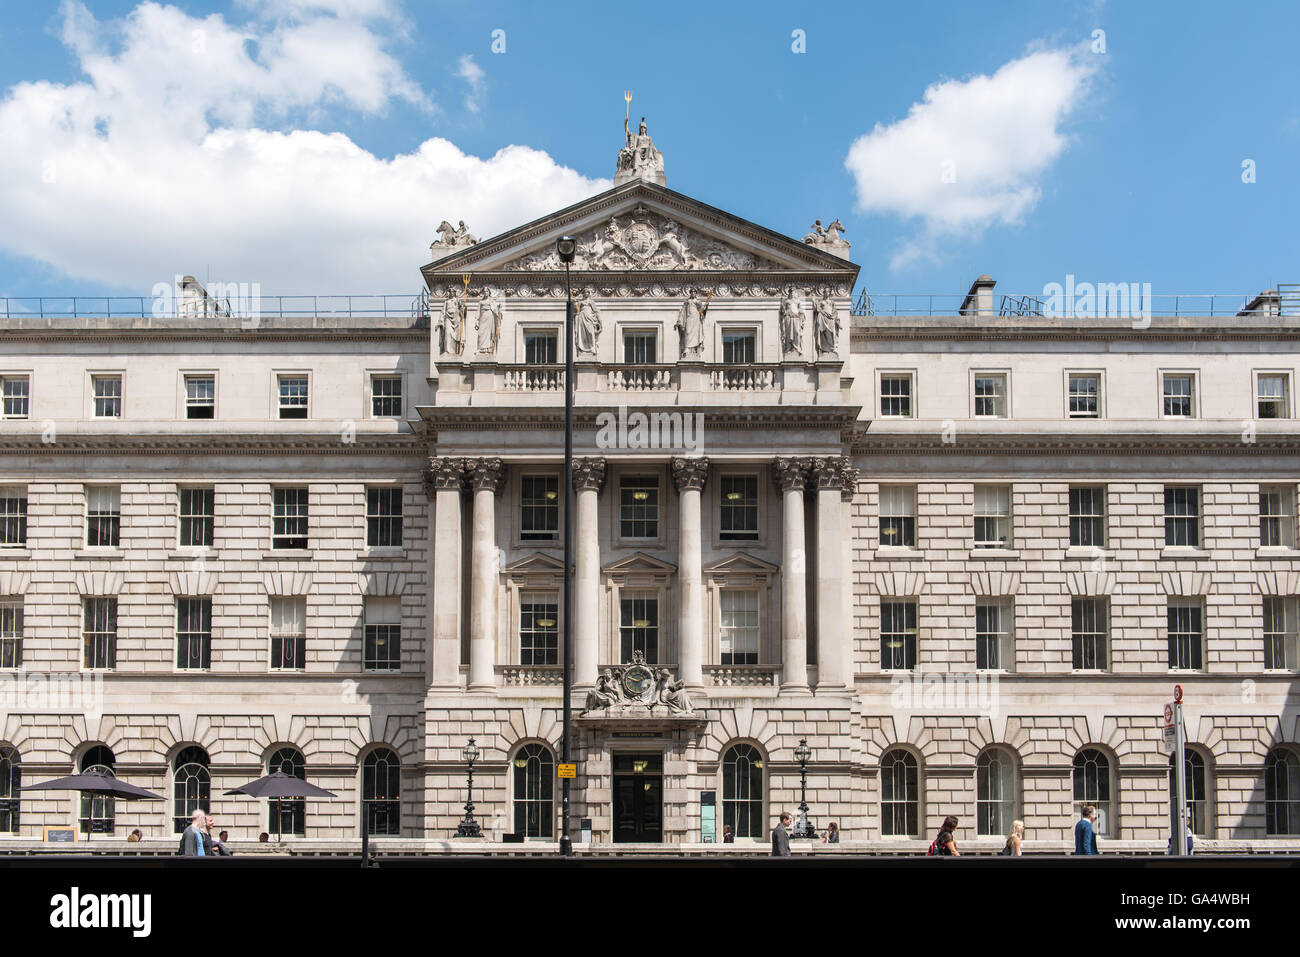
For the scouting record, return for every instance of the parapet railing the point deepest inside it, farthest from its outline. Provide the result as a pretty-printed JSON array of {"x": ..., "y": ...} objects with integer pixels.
[
  {"x": 395, "y": 305},
  {"x": 1104, "y": 305}
]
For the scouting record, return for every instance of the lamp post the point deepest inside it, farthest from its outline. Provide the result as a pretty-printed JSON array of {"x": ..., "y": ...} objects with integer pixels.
[
  {"x": 803, "y": 827},
  {"x": 565, "y": 248},
  {"x": 469, "y": 827}
]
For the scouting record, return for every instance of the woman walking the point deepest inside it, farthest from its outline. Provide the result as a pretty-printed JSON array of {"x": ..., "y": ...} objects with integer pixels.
[{"x": 1012, "y": 848}]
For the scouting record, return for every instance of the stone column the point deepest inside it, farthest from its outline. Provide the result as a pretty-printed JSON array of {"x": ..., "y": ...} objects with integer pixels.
[
  {"x": 848, "y": 584},
  {"x": 486, "y": 478},
  {"x": 443, "y": 480},
  {"x": 689, "y": 475},
  {"x": 588, "y": 479},
  {"x": 791, "y": 475},
  {"x": 828, "y": 474}
]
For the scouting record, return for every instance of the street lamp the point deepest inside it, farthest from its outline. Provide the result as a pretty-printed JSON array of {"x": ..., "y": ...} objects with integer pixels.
[
  {"x": 565, "y": 248},
  {"x": 803, "y": 827},
  {"x": 469, "y": 827}
]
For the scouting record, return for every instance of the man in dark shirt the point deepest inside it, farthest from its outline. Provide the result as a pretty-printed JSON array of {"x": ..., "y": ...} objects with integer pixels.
[
  {"x": 781, "y": 837},
  {"x": 1085, "y": 831}
]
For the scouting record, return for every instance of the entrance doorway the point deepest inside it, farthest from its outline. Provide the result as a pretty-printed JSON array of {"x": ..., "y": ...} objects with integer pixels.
[{"x": 638, "y": 798}]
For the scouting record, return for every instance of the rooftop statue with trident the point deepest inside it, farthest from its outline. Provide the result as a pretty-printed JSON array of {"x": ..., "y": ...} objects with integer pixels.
[{"x": 638, "y": 159}]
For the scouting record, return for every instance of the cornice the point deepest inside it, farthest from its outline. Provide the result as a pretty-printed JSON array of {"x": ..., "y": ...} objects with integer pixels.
[
  {"x": 52, "y": 334},
  {"x": 1058, "y": 444},
  {"x": 191, "y": 444},
  {"x": 514, "y": 419},
  {"x": 950, "y": 329}
]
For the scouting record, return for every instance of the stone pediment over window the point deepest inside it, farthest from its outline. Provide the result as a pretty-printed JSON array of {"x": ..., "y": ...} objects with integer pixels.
[
  {"x": 640, "y": 565},
  {"x": 741, "y": 569},
  {"x": 537, "y": 568}
]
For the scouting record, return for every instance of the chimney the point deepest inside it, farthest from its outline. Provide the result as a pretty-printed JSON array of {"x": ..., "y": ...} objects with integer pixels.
[
  {"x": 1267, "y": 303},
  {"x": 979, "y": 301}
]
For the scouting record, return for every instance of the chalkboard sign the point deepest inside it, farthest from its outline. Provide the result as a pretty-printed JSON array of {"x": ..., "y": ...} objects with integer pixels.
[
  {"x": 60, "y": 835},
  {"x": 708, "y": 817}
]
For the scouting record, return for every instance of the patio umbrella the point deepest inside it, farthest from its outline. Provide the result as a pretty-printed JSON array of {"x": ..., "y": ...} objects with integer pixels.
[
  {"x": 96, "y": 784},
  {"x": 279, "y": 785}
]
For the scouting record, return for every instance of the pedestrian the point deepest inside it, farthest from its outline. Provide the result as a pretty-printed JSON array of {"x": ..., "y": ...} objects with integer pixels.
[
  {"x": 220, "y": 844},
  {"x": 832, "y": 835},
  {"x": 1169, "y": 847},
  {"x": 945, "y": 845},
  {"x": 209, "y": 840},
  {"x": 192, "y": 838},
  {"x": 727, "y": 836},
  {"x": 781, "y": 837},
  {"x": 1012, "y": 848},
  {"x": 263, "y": 838},
  {"x": 1085, "y": 831},
  {"x": 135, "y": 837}
]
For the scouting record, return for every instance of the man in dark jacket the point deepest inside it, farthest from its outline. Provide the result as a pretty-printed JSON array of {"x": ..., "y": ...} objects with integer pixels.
[
  {"x": 192, "y": 839},
  {"x": 781, "y": 837},
  {"x": 1085, "y": 831}
]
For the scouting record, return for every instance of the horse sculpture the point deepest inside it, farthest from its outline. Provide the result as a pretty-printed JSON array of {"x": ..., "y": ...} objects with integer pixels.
[
  {"x": 829, "y": 234},
  {"x": 449, "y": 235}
]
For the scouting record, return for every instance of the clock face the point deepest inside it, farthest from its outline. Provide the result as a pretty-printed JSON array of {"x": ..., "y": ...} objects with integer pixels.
[{"x": 637, "y": 681}]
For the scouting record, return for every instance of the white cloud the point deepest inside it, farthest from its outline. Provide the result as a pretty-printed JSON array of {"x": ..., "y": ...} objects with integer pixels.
[
  {"x": 473, "y": 75},
  {"x": 165, "y": 159},
  {"x": 971, "y": 154}
]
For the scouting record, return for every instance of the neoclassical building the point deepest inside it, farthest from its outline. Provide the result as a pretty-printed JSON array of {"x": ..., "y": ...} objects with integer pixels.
[{"x": 962, "y": 553}]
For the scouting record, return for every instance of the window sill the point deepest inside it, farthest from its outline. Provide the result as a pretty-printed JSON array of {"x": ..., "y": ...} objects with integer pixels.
[
  {"x": 1264, "y": 552},
  {"x": 15, "y": 554},
  {"x": 1087, "y": 553},
  {"x": 287, "y": 555},
  {"x": 193, "y": 553},
  {"x": 1184, "y": 552},
  {"x": 91, "y": 554},
  {"x": 993, "y": 554},
  {"x": 898, "y": 553},
  {"x": 381, "y": 554}
]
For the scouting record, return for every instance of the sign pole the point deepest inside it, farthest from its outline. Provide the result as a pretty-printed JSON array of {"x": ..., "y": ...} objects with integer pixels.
[{"x": 1179, "y": 839}]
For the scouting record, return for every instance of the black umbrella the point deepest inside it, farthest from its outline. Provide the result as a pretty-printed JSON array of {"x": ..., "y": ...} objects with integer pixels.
[
  {"x": 96, "y": 784},
  {"x": 279, "y": 785}
]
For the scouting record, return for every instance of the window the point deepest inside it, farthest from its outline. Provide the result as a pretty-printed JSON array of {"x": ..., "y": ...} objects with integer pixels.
[
  {"x": 1084, "y": 396},
  {"x": 1178, "y": 394},
  {"x": 1088, "y": 516},
  {"x": 539, "y": 635},
  {"x": 197, "y": 515},
  {"x": 533, "y": 769},
  {"x": 1276, "y": 516},
  {"x": 386, "y": 396},
  {"x": 14, "y": 397},
  {"x": 11, "y": 783},
  {"x": 993, "y": 643},
  {"x": 99, "y": 632},
  {"x": 1281, "y": 793},
  {"x": 738, "y": 511},
  {"x": 638, "y": 507},
  {"x": 738, "y": 627},
  {"x": 381, "y": 792},
  {"x": 995, "y": 792},
  {"x": 992, "y": 516},
  {"x": 289, "y": 518},
  {"x": 899, "y": 795},
  {"x": 991, "y": 395},
  {"x": 1182, "y": 516},
  {"x": 1184, "y": 623},
  {"x": 539, "y": 507},
  {"x": 200, "y": 397},
  {"x": 896, "y": 395},
  {"x": 739, "y": 346},
  {"x": 1194, "y": 787},
  {"x": 541, "y": 348},
  {"x": 639, "y": 626},
  {"x": 13, "y": 516},
  {"x": 288, "y": 633},
  {"x": 1280, "y": 652},
  {"x": 191, "y": 787},
  {"x": 898, "y": 516},
  {"x": 384, "y": 517},
  {"x": 897, "y": 635},
  {"x": 293, "y": 396},
  {"x": 1092, "y": 786},
  {"x": 103, "y": 516},
  {"x": 288, "y": 815},
  {"x": 193, "y": 632},
  {"x": 640, "y": 347},
  {"x": 97, "y": 810},
  {"x": 1088, "y": 628},
  {"x": 11, "y": 633},
  {"x": 1273, "y": 395},
  {"x": 383, "y": 635},
  {"x": 107, "y": 390},
  {"x": 742, "y": 791}
]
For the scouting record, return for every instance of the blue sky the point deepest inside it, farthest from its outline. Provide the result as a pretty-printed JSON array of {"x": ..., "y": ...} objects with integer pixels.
[{"x": 138, "y": 148}]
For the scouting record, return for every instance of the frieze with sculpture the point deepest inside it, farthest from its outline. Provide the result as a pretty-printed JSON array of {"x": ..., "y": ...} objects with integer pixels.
[{"x": 638, "y": 689}]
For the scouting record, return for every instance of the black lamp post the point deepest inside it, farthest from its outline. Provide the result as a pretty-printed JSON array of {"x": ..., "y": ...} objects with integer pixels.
[
  {"x": 469, "y": 827},
  {"x": 565, "y": 248},
  {"x": 803, "y": 827}
]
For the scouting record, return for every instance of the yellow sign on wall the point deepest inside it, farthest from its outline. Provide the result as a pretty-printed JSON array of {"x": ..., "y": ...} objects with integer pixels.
[{"x": 568, "y": 770}]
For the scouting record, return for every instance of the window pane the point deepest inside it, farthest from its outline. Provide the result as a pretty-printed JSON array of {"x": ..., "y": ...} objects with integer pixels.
[
  {"x": 738, "y": 511},
  {"x": 539, "y": 629},
  {"x": 539, "y": 504},
  {"x": 197, "y": 510},
  {"x": 289, "y": 518},
  {"x": 738, "y": 626},
  {"x": 639, "y": 626},
  {"x": 193, "y": 632},
  {"x": 639, "y": 506},
  {"x": 384, "y": 517},
  {"x": 386, "y": 396},
  {"x": 897, "y": 635}
]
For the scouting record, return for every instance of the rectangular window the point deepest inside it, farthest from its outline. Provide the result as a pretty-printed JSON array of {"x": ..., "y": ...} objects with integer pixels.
[
  {"x": 896, "y": 396},
  {"x": 541, "y": 348},
  {"x": 200, "y": 397},
  {"x": 197, "y": 517},
  {"x": 898, "y": 516},
  {"x": 386, "y": 396},
  {"x": 103, "y": 516},
  {"x": 1088, "y": 628},
  {"x": 738, "y": 626},
  {"x": 539, "y": 508},
  {"x": 293, "y": 396},
  {"x": 539, "y": 629},
  {"x": 1280, "y": 633},
  {"x": 384, "y": 517},
  {"x": 1084, "y": 396},
  {"x": 1185, "y": 635},
  {"x": 11, "y": 633},
  {"x": 638, "y": 507},
  {"x": 14, "y": 397},
  {"x": 640, "y": 347},
  {"x": 383, "y": 637},
  {"x": 1183, "y": 516},
  {"x": 13, "y": 516},
  {"x": 289, "y": 518},
  {"x": 1178, "y": 395},
  {"x": 992, "y": 516},
  {"x": 1088, "y": 516},
  {"x": 993, "y": 649},
  {"x": 739, "y": 346},
  {"x": 288, "y": 633},
  {"x": 1273, "y": 395},
  {"x": 738, "y": 509},
  {"x": 897, "y": 635},
  {"x": 193, "y": 633},
  {"x": 1276, "y": 516},
  {"x": 991, "y": 395},
  {"x": 99, "y": 632},
  {"x": 639, "y": 626},
  {"x": 107, "y": 390}
]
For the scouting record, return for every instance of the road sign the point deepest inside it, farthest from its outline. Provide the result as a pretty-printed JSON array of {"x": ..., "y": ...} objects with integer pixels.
[
  {"x": 568, "y": 770},
  {"x": 1169, "y": 716},
  {"x": 1178, "y": 694},
  {"x": 1171, "y": 738}
]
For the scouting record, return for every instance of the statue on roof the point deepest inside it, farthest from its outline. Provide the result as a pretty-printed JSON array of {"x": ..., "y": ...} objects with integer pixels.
[{"x": 638, "y": 159}]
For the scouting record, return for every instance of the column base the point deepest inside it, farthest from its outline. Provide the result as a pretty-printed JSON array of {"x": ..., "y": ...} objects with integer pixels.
[{"x": 793, "y": 688}]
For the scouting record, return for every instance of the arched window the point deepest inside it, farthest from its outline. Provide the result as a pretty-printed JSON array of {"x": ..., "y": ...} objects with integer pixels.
[
  {"x": 995, "y": 792},
  {"x": 381, "y": 792},
  {"x": 97, "y": 812},
  {"x": 1196, "y": 789},
  {"x": 191, "y": 786},
  {"x": 1282, "y": 793},
  {"x": 742, "y": 790},
  {"x": 293, "y": 811},
  {"x": 1092, "y": 786},
  {"x": 534, "y": 791},
  {"x": 11, "y": 781},
  {"x": 899, "y": 795}
]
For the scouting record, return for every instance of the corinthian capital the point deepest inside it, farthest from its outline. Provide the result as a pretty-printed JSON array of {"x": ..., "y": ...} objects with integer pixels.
[
  {"x": 690, "y": 473},
  {"x": 486, "y": 473},
  {"x": 791, "y": 472},
  {"x": 850, "y": 486},
  {"x": 828, "y": 471},
  {"x": 588, "y": 473},
  {"x": 443, "y": 473}
]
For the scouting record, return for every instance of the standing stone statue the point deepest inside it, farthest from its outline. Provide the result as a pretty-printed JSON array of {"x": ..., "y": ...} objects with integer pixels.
[
  {"x": 588, "y": 326},
  {"x": 791, "y": 324},
  {"x": 827, "y": 323},
  {"x": 690, "y": 324},
  {"x": 451, "y": 323},
  {"x": 638, "y": 159},
  {"x": 489, "y": 324}
]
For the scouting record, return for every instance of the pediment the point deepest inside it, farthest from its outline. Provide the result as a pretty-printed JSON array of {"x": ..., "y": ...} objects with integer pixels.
[
  {"x": 639, "y": 562},
  {"x": 535, "y": 564},
  {"x": 741, "y": 563}
]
